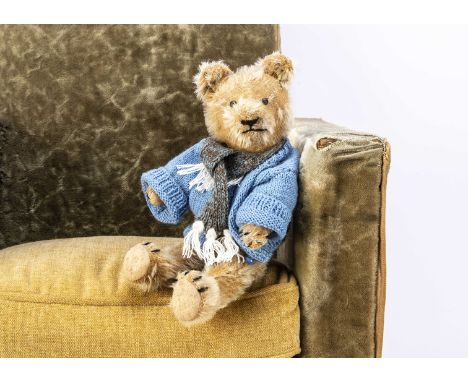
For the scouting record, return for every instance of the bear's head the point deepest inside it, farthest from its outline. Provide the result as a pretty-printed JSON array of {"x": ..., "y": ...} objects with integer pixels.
[{"x": 248, "y": 110}]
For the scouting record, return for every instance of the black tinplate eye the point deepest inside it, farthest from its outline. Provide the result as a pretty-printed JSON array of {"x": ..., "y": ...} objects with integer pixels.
[
  {"x": 232, "y": 103},
  {"x": 265, "y": 101}
]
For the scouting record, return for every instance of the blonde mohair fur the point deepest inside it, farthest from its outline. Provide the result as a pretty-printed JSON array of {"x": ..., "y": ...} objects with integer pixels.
[
  {"x": 249, "y": 111},
  {"x": 228, "y": 98}
]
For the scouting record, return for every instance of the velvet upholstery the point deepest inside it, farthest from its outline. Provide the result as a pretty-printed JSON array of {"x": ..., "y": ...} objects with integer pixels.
[
  {"x": 85, "y": 109},
  {"x": 339, "y": 242}
]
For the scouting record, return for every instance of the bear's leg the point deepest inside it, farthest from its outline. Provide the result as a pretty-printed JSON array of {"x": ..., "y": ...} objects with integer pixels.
[
  {"x": 198, "y": 295},
  {"x": 150, "y": 266}
]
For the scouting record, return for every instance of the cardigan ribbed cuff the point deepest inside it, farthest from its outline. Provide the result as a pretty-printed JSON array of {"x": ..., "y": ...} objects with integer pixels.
[
  {"x": 265, "y": 211},
  {"x": 174, "y": 198}
]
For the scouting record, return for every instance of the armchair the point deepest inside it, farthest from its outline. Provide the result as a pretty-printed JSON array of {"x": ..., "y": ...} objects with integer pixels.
[{"x": 84, "y": 110}]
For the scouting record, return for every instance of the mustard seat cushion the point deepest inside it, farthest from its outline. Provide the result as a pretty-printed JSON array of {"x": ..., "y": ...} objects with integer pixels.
[{"x": 63, "y": 298}]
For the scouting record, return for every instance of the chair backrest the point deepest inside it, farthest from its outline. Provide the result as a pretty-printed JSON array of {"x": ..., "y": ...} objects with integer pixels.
[{"x": 85, "y": 109}]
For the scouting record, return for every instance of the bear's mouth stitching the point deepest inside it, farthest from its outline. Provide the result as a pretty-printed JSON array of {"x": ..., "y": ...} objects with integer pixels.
[
  {"x": 251, "y": 126},
  {"x": 252, "y": 129}
]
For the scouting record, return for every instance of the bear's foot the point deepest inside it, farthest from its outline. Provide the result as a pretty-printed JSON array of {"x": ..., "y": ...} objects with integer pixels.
[
  {"x": 140, "y": 265},
  {"x": 196, "y": 298}
]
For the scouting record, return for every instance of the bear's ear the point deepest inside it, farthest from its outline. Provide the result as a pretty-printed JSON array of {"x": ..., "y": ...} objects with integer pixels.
[
  {"x": 278, "y": 66},
  {"x": 210, "y": 75}
]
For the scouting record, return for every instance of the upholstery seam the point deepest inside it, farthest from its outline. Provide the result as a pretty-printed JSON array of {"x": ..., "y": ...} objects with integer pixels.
[
  {"x": 380, "y": 289},
  {"x": 269, "y": 290}
]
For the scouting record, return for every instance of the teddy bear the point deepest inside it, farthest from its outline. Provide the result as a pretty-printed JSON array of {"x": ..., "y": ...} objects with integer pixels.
[{"x": 240, "y": 184}]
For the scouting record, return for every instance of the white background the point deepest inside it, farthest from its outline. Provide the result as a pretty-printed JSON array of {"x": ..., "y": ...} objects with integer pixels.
[{"x": 409, "y": 84}]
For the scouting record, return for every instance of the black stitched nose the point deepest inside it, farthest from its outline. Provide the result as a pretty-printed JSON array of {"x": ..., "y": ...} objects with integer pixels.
[{"x": 250, "y": 122}]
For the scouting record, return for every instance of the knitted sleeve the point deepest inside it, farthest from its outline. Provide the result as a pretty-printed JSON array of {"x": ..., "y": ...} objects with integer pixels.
[
  {"x": 171, "y": 187},
  {"x": 271, "y": 204}
]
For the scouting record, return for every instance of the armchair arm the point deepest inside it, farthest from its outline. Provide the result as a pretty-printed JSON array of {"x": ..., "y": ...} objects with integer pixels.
[{"x": 339, "y": 239}]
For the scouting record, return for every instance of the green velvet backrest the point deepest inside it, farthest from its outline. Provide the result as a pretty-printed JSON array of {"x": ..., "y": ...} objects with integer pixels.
[{"x": 84, "y": 110}]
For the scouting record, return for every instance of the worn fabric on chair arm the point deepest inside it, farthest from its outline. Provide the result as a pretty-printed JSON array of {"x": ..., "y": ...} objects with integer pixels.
[{"x": 339, "y": 242}]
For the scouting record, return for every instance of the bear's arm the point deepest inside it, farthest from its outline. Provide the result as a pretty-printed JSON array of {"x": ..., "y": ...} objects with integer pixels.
[
  {"x": 171, "y": 187},
  {"x": 271, "y": 204}
]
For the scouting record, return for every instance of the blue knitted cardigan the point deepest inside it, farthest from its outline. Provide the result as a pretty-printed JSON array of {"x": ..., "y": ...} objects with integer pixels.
[{"x": 266, "y": 196}]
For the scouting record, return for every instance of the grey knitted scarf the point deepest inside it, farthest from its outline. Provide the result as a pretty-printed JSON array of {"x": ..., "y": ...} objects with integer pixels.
[{"x": 225, "y": 164}]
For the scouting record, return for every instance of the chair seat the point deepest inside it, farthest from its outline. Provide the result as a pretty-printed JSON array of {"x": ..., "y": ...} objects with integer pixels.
[{"x": 63, "y": 298}]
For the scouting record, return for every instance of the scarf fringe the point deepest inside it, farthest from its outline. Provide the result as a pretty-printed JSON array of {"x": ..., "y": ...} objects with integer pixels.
[
  {"x": 192, "y": 240},
  {"x": 232, "y": 249},
  {"x": 213, "y": 251},
  {"x": 203, "y": 181}
]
